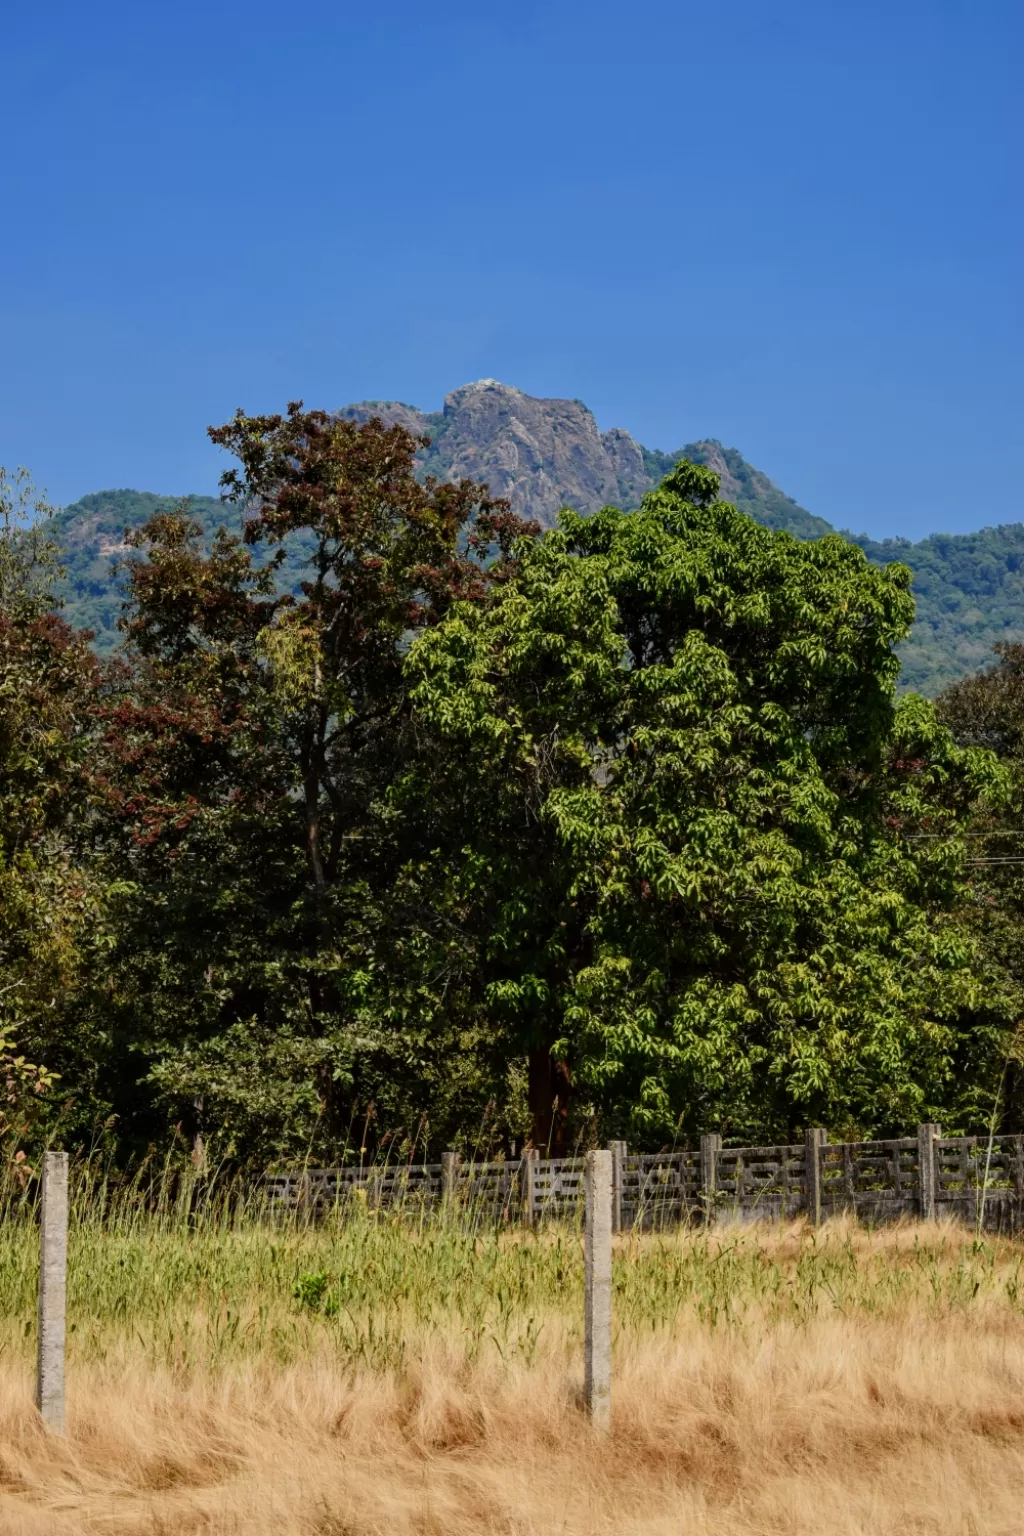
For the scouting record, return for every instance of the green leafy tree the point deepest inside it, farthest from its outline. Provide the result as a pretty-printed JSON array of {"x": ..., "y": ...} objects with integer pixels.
[
  {"x": 682, "y": 812},
  {"x": 987, "y": 711},
  {"x": 271, "y": 969},
  {"x": 48, "y": 680}
]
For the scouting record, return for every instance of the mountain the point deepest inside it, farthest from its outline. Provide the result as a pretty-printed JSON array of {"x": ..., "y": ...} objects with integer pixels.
[{"x": 546, "y": 454}]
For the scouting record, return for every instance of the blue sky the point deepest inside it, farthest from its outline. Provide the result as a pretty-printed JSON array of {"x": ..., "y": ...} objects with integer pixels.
[{"x": 795, "y": 227}]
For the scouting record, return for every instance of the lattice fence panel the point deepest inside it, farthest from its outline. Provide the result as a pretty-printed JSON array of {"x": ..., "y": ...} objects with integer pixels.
[
  {"x": 311, "y": 1191},
  {"x": 660, "y": 1189},
  {"x": 978, "y": 1180},
  {"x": 407, "y": 1185},
  {"x": 761, "y": 1181},
  {"x": 558, "y": 1187},
  {"x": 281, "y": 1191},
  {"x": 981, "y": 1181},
  {"x": 490, "y": 1190},
  {"x": 966, "y": 1164},
  {"x": 880, "y": 1179},
  {"x": 316, "y": 1191}
]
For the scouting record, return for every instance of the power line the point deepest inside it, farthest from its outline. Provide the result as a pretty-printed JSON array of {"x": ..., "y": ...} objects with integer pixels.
[{"x": 918, "y": 837}]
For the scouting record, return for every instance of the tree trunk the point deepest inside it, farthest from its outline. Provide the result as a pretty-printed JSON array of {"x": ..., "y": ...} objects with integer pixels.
[
  {"x": 312, "y": 780},
  {"x": 316, "y": 863},
  {"x": 548, "y": 1089},
  {"x": 198, "y": 1144}
]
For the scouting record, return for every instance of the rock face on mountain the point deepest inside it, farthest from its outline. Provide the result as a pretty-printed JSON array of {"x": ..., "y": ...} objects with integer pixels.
[{"x": 541, "y": 454}]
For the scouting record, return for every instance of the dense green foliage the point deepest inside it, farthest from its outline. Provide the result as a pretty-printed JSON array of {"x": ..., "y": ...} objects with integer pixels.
[
  {"x": 92, "y": 539},
  {"x": 47, "y": 697},
  {"x": 397, "y": 817},
  {"x": 987, "y": 711},
  {"x": 714, "y": 911}
]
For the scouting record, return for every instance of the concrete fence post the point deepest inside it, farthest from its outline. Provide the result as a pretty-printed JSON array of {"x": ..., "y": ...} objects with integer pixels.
[
  {"x": 927, "y": 1136},
  {"x": 710, "y": 1146},
  {"x": 597, "y": 1377},
  {"x": 53, "y": 1284},
  {"x": 529, "y": 1168},
  {"x": 814, "y": 1142},
  {"x": 449, "y": 1177},
  {"x": 619, "y": 1151}
]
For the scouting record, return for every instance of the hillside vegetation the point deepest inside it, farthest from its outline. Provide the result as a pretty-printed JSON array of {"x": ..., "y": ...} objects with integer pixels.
[
  {"x": 90, "y": 538},
  {"x": 969, "y": 595},
  {"x": 545, "y": 454}
]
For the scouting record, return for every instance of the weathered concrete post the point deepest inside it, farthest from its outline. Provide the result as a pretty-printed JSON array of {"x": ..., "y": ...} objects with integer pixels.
[
  {"x": 449, "y": 1177},
  {"x": 53, "y": 1282},
  {"x": 814, "y": 1141},
  {"x": 529, "y": 1168},
  {"x": 927, "y": 1136},
  {"x": 618, "y": 1164},
  {"x": 710, "y": 1146},
  {"x": 597, "y": 1380}
]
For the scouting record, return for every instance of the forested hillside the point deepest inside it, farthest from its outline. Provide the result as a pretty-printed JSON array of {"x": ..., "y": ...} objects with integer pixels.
[
  {"x": 968, "y": 595},
  {"x": 546, "y": 454},
  {"x": 90, "y": 537}
]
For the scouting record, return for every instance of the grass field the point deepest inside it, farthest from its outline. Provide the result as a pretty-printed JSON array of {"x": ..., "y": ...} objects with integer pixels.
[{"x": 389, "y": 1378}]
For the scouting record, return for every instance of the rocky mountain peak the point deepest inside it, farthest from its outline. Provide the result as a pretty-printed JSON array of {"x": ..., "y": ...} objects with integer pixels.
[{"x": 543, "y": 454}]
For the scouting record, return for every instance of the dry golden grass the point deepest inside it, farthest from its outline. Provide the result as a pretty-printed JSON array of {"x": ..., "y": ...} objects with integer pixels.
[{"x": 765, "y": 1381}]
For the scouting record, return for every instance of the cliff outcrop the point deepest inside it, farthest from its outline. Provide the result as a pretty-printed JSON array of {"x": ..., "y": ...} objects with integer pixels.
[{"x": 541, "y": 454}]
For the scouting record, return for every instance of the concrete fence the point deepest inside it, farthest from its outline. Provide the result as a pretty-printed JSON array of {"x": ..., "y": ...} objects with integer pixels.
[{"x": 977, "y": 1179}]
